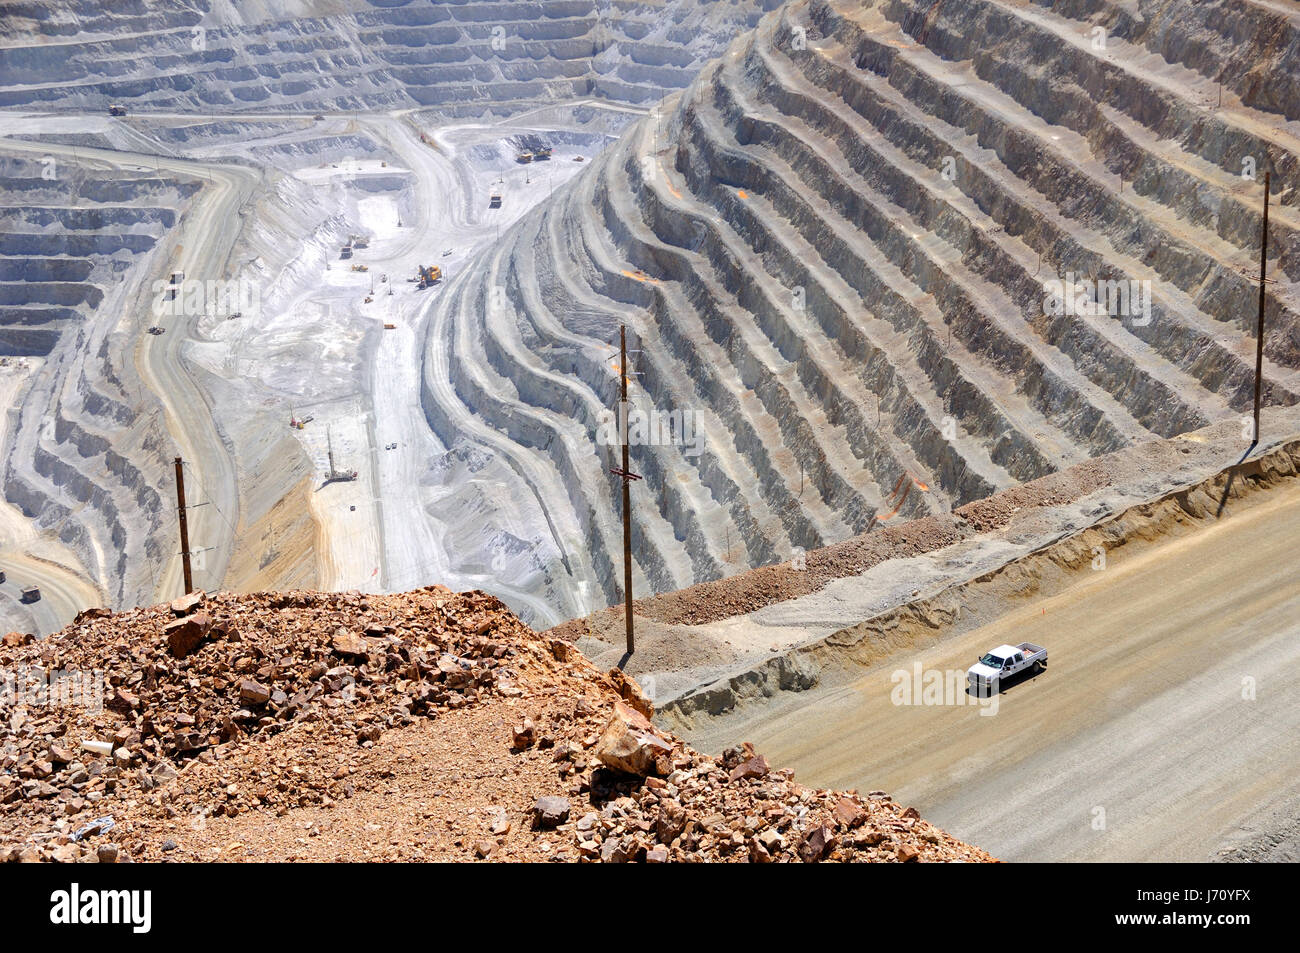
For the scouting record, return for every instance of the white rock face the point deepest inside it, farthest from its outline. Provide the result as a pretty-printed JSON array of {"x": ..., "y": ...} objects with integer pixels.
[
  {"x": 844, "y": 259},
  {"x": 856, "y": 253},
  {"x": 248, "y": 55},
  {"x": 221, "y": 170}
]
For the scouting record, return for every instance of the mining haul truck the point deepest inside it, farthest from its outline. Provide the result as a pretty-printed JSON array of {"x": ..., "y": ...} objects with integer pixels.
[{"x": 428, "y": 275}]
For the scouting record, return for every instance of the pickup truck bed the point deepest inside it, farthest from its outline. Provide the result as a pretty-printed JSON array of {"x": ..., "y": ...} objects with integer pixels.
[{"x": 1030, "y": 650}]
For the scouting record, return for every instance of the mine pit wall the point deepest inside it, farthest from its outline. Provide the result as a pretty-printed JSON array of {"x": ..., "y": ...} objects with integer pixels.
[
  {"x": 1081, "y": 382},
  {"x": 686, "y": 231},
  {"x": 277, "y": 549},
  {"x": 1157, "y": 408},
  {"x": 87, "y": 456},
  {"x": 106, "y": 455},
  {"x": 1048, "y": 567},
  {"x": 977, "y": 412},
  {"x": 674, "y": 232},
  {"x": 705, "y": 170},
  {"x": 475, "y": 287},
  {"x": 371, "y": 54},
  {"x": 967, "y": 31}
]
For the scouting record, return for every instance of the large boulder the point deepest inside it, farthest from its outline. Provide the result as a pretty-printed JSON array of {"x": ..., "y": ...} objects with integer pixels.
[
  {"x": 631, "y": 745},
  {"x": 187, "y": 634},
  {"x": 631, "y": 692}
]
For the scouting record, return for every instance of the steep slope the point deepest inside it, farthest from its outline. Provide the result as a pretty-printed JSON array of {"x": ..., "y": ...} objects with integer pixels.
[
  {"x": 356, "y": 54},
  {"x": 847, "y": 258},
  {"x": 421, "y": 726},
  {"x": 99, "y": 406},
  {"x": 76, "y": 241}
]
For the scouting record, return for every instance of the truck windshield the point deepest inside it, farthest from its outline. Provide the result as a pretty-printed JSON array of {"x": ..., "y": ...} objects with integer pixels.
[{"x": 991, "y": 660}]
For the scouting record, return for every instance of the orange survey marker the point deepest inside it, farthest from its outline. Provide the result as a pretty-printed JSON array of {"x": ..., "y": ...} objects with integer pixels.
[{"x": 911, "y": 482}]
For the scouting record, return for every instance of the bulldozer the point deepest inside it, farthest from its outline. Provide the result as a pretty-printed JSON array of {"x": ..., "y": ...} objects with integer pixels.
[
  {"x": 360, "y": 267},
  {"x": 428, "y": 275}
]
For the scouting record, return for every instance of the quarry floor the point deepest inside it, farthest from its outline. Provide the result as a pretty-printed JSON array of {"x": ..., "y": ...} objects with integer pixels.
[
  {"x": 1165, "y": 727},
  {"x": 1136, "y": 744},
  {"x": 318, "y": 350}
]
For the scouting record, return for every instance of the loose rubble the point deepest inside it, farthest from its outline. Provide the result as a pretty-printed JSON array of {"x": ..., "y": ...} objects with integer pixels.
[{"x": 280, "y": 726}]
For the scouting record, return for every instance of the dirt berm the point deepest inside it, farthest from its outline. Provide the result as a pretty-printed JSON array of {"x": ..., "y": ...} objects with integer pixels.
[
  {"x": 426, "y": 725},
  {"x": 703, "y": 650}
]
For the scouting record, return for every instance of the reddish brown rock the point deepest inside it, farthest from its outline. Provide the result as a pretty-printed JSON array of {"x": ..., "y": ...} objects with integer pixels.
[
  {"x": 349, "y": 643},
  {"x": 253, "y": 693},
  {"x": 755, "y": 767},
  {"x": 817, "y": 844},
  {"x": 849, "y": 813},
  {"x": 631, "y": 692},
  {"x": 186, "y": 604},
  {"x": 631, "y": 745},
  {"x": 124, "y": 701},
  {"x": 550, "y": 811},
  {"x": 524, "y": 735},
  {"x": 185, "y": 635}
]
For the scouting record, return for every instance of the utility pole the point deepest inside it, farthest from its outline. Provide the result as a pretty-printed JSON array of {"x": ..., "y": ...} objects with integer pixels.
[
  {"x": 1259, "y": 335},
  {"x": 185, "y": 529},
  {"x": 627, "y": 486},
  {"x": 627, "y": 476}
]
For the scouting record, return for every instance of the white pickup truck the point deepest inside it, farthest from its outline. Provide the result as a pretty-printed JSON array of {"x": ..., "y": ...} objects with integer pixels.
[{"x": 1003, "y": 662}]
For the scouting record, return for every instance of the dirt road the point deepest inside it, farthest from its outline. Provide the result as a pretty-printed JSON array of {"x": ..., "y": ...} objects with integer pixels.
[
  {"x": 29, "y": 558},
  {"x": 1167, "y": 720},
  {"x": 207, "y": 234}
]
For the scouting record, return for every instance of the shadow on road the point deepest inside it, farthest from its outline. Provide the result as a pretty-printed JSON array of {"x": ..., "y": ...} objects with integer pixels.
[
  {"x": 1232, "y": 475},
  {"x": 1006, "y": 684}
]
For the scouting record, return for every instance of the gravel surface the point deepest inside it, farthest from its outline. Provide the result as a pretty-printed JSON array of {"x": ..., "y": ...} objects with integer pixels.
[{"x": 421, "y": 726}]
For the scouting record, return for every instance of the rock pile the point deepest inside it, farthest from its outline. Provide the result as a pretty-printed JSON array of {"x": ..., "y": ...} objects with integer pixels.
[{"x": 239, "y": 709}]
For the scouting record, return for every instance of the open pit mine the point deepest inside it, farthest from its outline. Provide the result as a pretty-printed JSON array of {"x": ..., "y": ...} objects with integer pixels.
[{"x": 811, "y": 340}]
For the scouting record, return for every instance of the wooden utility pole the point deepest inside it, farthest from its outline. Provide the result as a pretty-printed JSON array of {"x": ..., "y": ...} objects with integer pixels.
[
  {"x": 627, "y": 476},
  {"x": 627, "y": 488},
  {"x": 1259, "y": 334},
  {"x": 185, "y": 529}
]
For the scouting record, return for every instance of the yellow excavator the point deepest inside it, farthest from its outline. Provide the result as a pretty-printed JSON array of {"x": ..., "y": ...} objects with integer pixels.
[{"x": 428, "y": 275}]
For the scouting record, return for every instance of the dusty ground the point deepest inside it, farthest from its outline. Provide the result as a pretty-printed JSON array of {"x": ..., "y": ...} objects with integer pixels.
[
  {"x": 712, "y": 632},
  {"x": 421, "y": 726},
  {"x": 1165, "y": 728}
]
